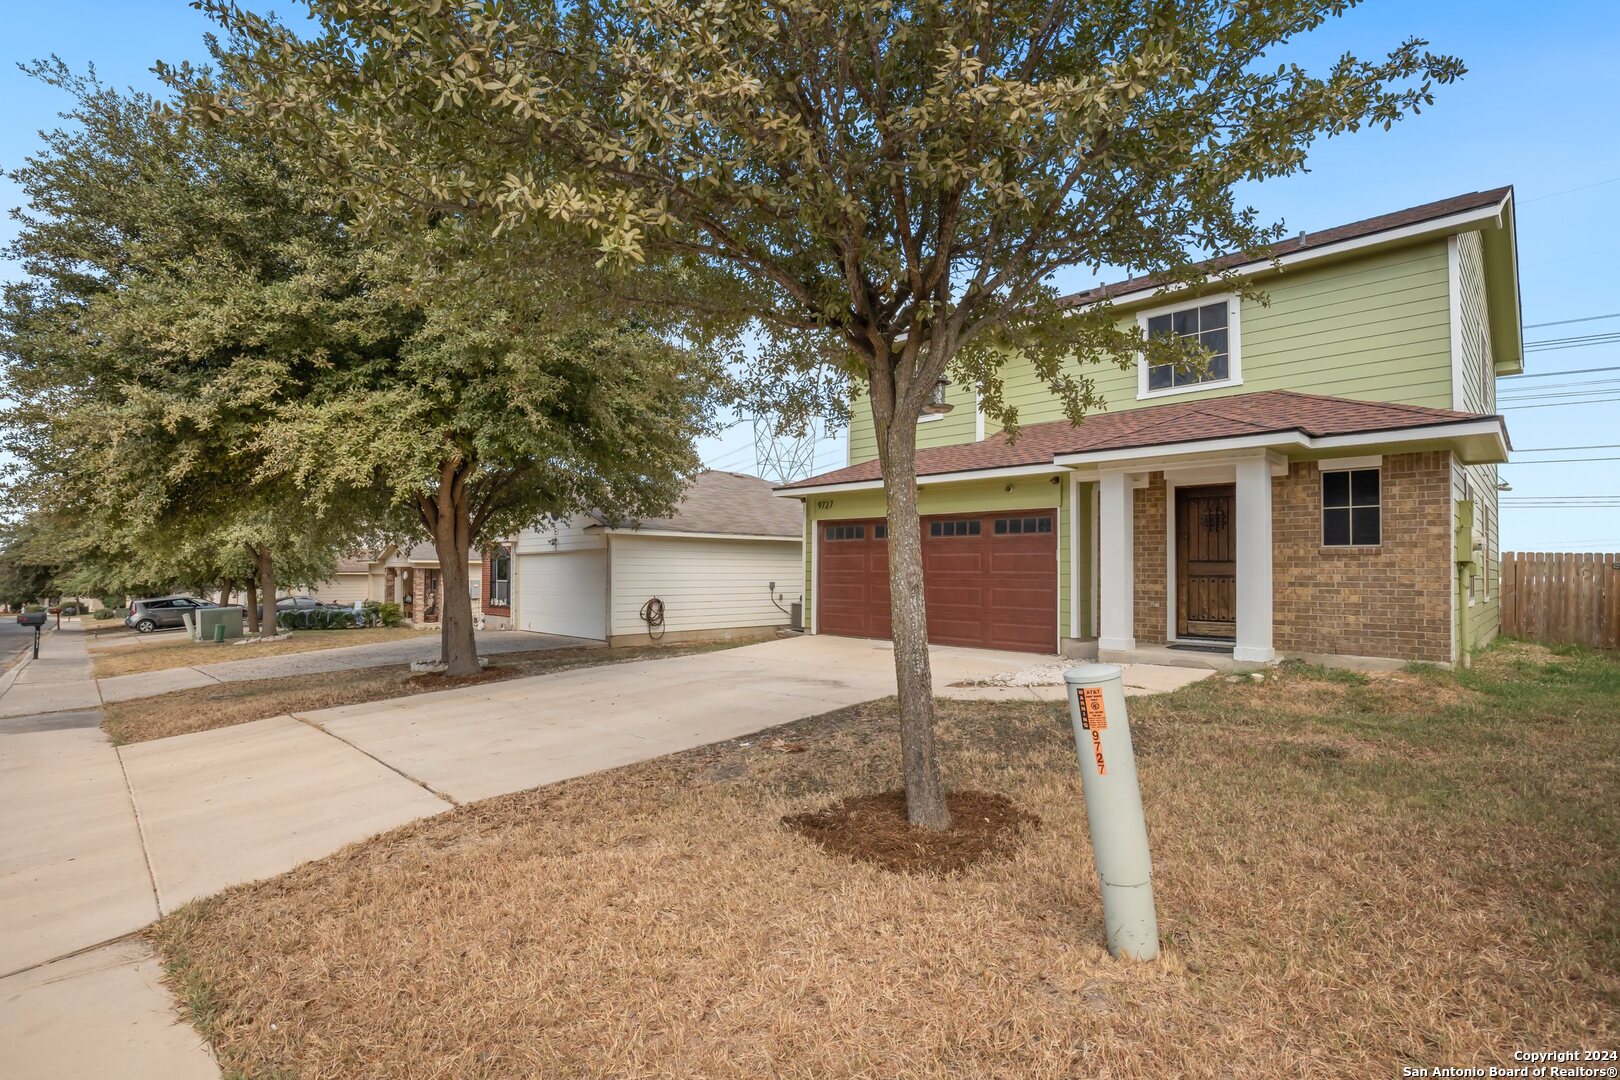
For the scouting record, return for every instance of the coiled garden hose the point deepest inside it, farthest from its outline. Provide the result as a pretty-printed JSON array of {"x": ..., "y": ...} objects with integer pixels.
[{"x": 652, "y": 613}]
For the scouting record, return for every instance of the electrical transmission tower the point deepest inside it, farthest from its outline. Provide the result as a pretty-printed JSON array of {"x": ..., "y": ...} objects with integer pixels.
[{"x": 783, "y": 458}]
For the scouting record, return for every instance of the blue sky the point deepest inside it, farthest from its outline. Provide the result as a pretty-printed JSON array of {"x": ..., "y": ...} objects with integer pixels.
[{"x": 1537, "y": 111}]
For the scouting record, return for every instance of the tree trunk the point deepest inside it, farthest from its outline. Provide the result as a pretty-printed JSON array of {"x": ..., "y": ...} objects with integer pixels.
[
  {"x": 447, "y": 513},
  {"x": 225, "y": 589},
  {"x": 267, "y": 591},
  {"x": 914, "y": 680},
  {"x": 250, "y": 594}
]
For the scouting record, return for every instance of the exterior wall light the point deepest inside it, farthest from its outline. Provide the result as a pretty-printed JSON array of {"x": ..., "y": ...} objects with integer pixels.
[{"x": 937, "y": 405}]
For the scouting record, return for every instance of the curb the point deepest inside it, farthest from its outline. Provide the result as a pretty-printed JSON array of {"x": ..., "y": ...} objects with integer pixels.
[{"x": 11, "y": 676}]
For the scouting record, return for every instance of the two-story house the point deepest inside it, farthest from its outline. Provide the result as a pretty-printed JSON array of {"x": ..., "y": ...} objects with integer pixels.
[{"x": 1325, "y": 489}]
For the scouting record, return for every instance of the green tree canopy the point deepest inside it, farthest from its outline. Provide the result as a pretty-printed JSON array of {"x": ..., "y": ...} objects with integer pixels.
[
  {"x": 179, "y": 290},
  {"x": 891, "y": 185}
]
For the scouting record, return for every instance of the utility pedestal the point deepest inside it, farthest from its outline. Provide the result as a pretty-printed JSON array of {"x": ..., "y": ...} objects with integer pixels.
[{"x": 1102, "y": 734}]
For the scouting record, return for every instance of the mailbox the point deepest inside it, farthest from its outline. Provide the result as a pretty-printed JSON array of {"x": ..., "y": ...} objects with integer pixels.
[{"x": 32, "y": 618}]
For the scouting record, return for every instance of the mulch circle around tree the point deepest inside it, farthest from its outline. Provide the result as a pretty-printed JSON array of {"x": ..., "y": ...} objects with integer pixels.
[
  {"x": 433, "y": 680},
  {"x": 874, "y": 829}
]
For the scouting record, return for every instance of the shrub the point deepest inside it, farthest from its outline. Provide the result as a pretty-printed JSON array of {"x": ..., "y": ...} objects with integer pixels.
[
  {"x": 103, "y": 613},
  {"x": 380, "y": 614}
]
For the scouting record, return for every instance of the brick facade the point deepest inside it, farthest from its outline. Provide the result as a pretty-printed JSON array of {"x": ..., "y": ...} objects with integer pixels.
[
  {"x": 1150, "y": 584},
  {"x": 1390, "y": 601},
  {"x": 415, "y": 595}
]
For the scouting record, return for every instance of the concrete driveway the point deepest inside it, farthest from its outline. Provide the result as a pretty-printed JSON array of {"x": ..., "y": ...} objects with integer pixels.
[{"x": 100, "y": 841}]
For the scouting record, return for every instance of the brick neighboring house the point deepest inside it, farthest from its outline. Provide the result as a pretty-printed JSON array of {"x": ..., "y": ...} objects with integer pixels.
[
  {"x": 1326, "y": 489},
  {"x": 407, "y": 576}
]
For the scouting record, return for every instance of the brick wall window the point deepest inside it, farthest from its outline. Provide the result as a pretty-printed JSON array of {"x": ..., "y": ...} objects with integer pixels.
[
  {"x": 1350, "y": 508},
  {"x": 497, "y": 581},
  {"x": 500, "y": 577}
]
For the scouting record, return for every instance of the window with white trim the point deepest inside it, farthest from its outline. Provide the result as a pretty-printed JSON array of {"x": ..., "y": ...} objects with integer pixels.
[
  {"x": 1212, "y": 324},
  {"x": 500, "y": 577},
  {"x": 1351, "y": 510}
]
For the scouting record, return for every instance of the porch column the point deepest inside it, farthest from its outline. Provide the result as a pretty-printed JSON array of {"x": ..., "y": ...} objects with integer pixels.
[
  {"x": 1254, "y": 561},
  {"x": 1116, "y": 539}
]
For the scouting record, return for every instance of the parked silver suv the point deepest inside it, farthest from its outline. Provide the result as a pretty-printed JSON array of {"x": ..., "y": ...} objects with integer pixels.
[{"x": 162, "y": 613}]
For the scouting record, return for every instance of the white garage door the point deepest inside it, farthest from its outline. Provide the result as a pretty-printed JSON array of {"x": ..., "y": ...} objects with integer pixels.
[{"x": 563, "y": 593}]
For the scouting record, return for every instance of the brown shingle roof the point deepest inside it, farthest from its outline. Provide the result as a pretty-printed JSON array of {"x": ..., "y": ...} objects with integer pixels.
[
  {"x": 732, "y": 503},
  {"x": 1355, "y": 230},
  {"x": 1261, "y": 413}
]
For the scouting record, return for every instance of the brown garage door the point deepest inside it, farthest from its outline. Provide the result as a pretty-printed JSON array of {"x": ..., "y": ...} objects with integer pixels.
[{"x": 990, "y": 580}]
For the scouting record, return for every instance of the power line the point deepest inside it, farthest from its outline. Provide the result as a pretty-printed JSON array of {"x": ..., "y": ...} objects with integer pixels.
[
  {"x": 1566, "y": 322},
  {"x": 1560, "y": 461},
  {"x": 1561, "y": 346},
  {"x": 1555, "y": 404},
  {"x": 1571, "y": 371},
  {"x": 1521, "y": 392},
  {"x": 1573, "y": 190},
  {"x": 1590, "y": 446},
  {"x": 1567, "y": 338}
]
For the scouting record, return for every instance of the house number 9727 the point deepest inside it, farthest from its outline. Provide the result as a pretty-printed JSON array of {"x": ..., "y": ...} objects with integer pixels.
[{"x": 824, "y": 504}]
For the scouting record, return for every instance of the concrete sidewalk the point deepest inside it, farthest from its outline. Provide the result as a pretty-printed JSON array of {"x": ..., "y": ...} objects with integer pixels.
[
  {"x": 59, "y": 680},
  {"x": 73, "y": 875},
  {"x": 348, "y": 658}
]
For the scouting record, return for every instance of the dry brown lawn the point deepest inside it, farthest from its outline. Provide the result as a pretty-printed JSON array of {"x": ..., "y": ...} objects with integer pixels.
[
  {"x": 182, "y": 652},
  {"x": 1413, "y": 870},
  {"x": 205, "y": 707}
]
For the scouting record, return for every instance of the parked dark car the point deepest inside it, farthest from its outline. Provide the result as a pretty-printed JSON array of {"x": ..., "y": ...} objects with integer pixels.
[{"x": 162, "y": 613}]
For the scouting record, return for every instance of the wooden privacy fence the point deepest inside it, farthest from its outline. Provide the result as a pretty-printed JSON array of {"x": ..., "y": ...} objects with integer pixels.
[{"x": 1562, "y": 597}]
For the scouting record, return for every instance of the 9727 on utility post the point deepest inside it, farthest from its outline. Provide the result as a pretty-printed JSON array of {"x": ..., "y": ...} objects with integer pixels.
[{"x": 36, "y": 619}]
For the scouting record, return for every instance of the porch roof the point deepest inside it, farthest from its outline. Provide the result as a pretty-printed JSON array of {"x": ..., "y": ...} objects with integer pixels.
[{"x": 1263, "y": 413}]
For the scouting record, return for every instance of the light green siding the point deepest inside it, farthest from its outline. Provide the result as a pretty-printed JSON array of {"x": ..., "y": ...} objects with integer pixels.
[
  {"x": 1375, "y": 328},
  {"x": 1475, "y": 391},
  {"x": 976, "y": 497},
  {"x": 956, "y": 426}
]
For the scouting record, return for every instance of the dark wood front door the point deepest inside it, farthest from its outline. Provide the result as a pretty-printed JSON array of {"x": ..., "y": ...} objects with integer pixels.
[{"x": 1206, "y": 562}]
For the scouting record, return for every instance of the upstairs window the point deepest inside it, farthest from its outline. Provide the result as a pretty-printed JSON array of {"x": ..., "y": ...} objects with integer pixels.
[
  {"x": 1211, "y": 324},
  {"x": 1350, "y": 508}
]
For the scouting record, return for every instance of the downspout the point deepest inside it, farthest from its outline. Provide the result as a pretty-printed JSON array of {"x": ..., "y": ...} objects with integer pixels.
[{"x": 607, "y": 623}]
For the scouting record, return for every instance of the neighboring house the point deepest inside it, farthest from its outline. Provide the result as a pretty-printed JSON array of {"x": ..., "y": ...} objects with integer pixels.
[
  {"x": 1327, "y": 489},
  {"x": 351, "y": 582},
  {"x": 408, "y": 576},
  {"x": 727, "y": 562}
]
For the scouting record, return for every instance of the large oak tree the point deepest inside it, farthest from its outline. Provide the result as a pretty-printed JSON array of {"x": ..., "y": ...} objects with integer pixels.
[{"x": 893, "y": 184}]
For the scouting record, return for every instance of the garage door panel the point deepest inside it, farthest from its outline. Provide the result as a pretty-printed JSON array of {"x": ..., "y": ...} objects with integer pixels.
[
  {"x": 954, "y": 561},
  {"x": 852, "y": 580},
  {"x": 563, "y": 593},
  {"x": 984, "y": 589},
  {"x": 1016, "y": 599}
]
